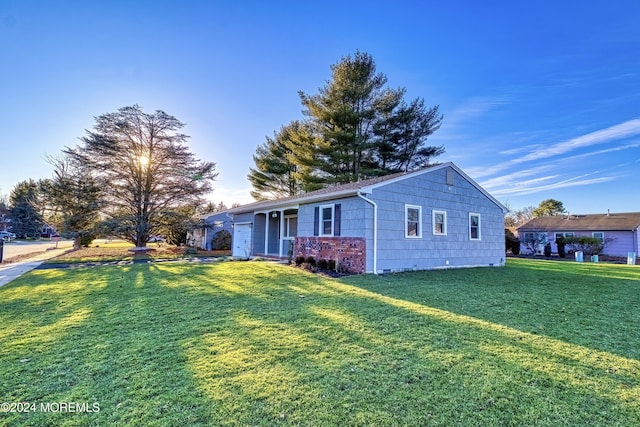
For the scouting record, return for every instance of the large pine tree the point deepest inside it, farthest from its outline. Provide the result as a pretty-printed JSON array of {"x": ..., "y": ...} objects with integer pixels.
[
  {"x": 355, "y": 128},
  {"x": 275, "y": 175}
]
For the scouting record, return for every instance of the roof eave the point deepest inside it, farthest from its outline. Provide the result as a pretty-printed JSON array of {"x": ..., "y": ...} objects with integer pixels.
[{"x": 294, "y": 203}]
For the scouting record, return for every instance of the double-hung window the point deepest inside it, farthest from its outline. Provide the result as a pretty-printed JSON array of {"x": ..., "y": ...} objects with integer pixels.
[
  {"x": 439, "y": 223},
  {"x": 327, "y": 220},
  {"x": 412, "y": 221},
  {"x": 474, "y": 226}
]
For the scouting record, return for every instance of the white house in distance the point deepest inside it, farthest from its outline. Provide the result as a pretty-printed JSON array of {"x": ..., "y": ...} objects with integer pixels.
[{"x": 436, "y": 217}]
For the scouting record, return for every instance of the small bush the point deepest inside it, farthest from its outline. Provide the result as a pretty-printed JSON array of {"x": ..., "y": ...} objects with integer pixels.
[
  {"x": 299, "y": 260},
  {"x": 588, "y": 245},
  {"x": 331, "y": 265},
  {"x": 311, "y": 261},
  {"x": 308, "y": 267},
  {"x": 322, "y": 264},
  {"x": 221, "y": 241},
  {"x": 86, "y": 239}
]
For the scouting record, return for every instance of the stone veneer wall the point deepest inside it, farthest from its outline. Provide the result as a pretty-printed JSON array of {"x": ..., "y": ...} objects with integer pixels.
[{"x": 349, "y": 252}]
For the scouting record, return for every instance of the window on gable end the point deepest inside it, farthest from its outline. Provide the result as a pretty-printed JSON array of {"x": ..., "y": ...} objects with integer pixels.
[
  {"x": 474, "y": 226},
  {"x": 412, "y": 221}
]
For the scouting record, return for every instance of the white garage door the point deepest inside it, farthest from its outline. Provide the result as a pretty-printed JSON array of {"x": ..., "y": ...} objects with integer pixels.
[{"x": 241, "y": 240}]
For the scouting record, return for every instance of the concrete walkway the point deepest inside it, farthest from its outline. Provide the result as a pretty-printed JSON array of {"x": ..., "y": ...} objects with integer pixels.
[{"x": 11, "y": 271}]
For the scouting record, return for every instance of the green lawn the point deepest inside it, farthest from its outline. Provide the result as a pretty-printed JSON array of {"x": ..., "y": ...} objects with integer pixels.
[{"x": 536, "y": 343}]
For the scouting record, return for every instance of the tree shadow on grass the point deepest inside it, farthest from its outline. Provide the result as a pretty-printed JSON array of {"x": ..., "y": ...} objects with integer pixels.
[
  {"x": 262, "y": 344},
  {"x": 122, "y": 354},
  {"x": 595, "y": 306},
  {"x": 303, "y": 349}
]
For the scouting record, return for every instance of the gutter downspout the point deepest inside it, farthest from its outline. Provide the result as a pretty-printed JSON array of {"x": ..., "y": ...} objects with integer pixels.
[{"x": 375, "y": 231}]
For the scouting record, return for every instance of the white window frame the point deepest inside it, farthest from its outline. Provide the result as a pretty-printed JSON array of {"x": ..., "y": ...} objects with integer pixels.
[
  {"x": 593, "y": 234},
  {"x": 287, "y": 227},
  {"x": 471, "y": 214},
  {"x": 321, "y": 220},
  {"x": 406, "y": 221},
  {"x": 444, "y": 225}
]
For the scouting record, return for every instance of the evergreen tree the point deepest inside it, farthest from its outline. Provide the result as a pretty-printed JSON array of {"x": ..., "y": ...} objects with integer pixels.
[
  {"x": 355, "y": 128},
  {"x": 344, "y": 114},
  {"x": 25, "y": 212},
  {"x": 549, "y": 207},
  {"x": 76, "y": 196},
  {"x": 274, "y": 174},
  {"x": 402, "y": 136}
]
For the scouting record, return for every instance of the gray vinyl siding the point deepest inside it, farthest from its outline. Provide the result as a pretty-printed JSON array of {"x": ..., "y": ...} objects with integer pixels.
[
  {"x": 356, "y": 221},
  {"x": 429, "y": 190},
  {"x": 455, "y": 249}
]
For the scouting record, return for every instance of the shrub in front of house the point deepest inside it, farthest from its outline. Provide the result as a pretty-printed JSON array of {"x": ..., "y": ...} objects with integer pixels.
[
  {"x": 561, "y": 243},
  {"x": 221, "y": 241},
  {"x": 299, "y": 260},
  {"x": 588, "y": 245},
  {"x": 322, "y": 264},
  {"x": 512, "y": 243}
]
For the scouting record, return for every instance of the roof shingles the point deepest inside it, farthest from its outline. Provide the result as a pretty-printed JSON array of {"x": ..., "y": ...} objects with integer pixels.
[{"x": 591, "y": 222}]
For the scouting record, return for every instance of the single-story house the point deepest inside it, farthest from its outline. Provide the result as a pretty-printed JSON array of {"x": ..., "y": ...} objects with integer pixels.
[
  {"x": 619, "y": 231},
  {"x": 209, "y": 225},
  {"x": 435, "y": 217}
]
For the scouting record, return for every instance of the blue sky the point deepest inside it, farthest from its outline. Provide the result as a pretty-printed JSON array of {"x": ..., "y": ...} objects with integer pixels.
[{"x": 540, "y": 99}]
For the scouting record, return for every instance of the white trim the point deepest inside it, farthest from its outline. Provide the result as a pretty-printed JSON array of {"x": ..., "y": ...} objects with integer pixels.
[
  {"x": 406, "y": 221},
  {"x": 433, "y": 222},
  {"x": 321, "y": 232},
  {"x": 479, "y": 226},
  {"x": 593, "y": 234},
  {"x": 287, "y": 226}
]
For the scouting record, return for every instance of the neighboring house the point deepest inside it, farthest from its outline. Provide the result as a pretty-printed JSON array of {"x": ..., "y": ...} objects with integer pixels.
[
  {"x": 48, "y": 231},
  {"x": 210, "y": 225},
  {"x": 619, "y": 231},
  {"x": 436, "y": 217}
]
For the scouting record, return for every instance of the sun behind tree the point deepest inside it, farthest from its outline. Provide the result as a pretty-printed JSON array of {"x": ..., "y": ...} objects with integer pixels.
[{"x": 145, "y": 168}]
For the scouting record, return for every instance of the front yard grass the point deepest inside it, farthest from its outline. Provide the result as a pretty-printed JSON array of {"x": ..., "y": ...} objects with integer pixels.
[
  {"x": 104, "y": 251},
  {"x": 536, "y": 343}
]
